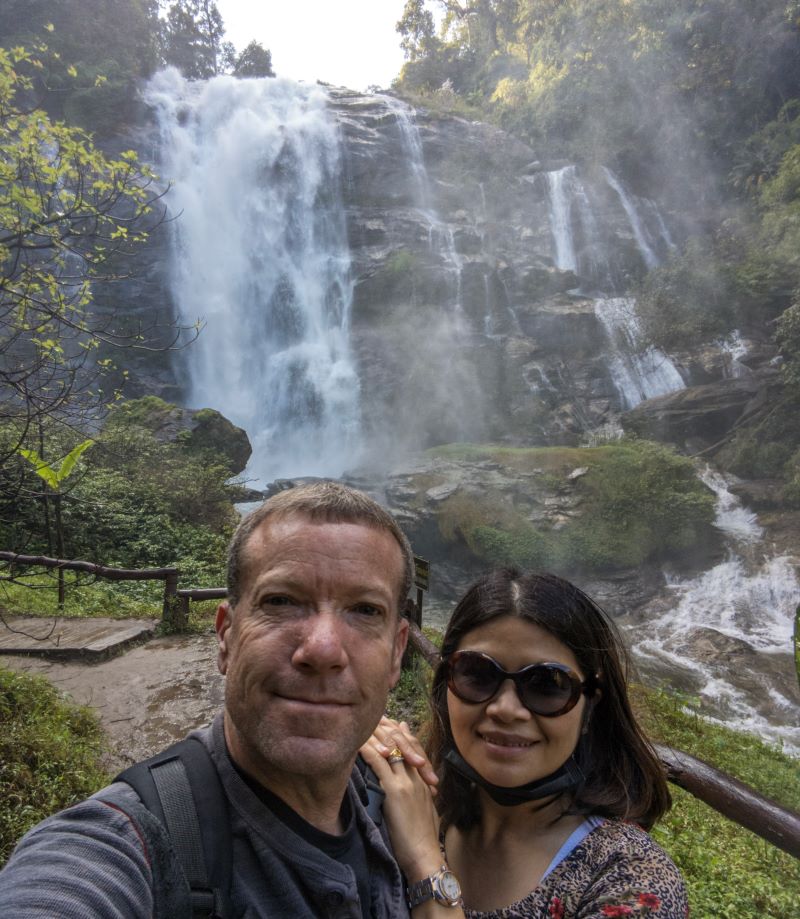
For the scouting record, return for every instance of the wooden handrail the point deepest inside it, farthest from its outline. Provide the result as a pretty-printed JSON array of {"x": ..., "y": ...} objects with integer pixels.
[
  {"x": 726, "y": 794},
  {"x": 168, "y": 575}
]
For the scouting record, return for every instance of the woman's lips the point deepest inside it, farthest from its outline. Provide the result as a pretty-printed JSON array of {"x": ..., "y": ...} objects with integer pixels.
[{"x": 508, "y": 741}]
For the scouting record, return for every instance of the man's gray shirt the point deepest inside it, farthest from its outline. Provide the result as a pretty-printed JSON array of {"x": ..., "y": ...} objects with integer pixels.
[{"x": 93, "y": 860}]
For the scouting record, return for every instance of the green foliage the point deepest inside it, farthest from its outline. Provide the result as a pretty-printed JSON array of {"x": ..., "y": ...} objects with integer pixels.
[
  {"x": 192, "y": 38},
  {"x": 49, "y": 754},
  {"x": 51, "y": 473},
  {"x": 729, "y": 871},
  {"x": 654, "y": 85},
  {"x": 254, "y": 61},
  {"x": 98, "y": 49},
  {"x": 769, "y": 446},
  {"x": 687, "y": 300},
  {"x": 66, "y": 212},
  {"x": 134, "y": 502},
  {"x": 638, "y": 501}
]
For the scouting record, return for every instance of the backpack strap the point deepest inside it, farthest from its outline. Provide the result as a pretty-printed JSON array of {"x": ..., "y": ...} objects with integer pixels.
[{"x": 181, "y": 787}]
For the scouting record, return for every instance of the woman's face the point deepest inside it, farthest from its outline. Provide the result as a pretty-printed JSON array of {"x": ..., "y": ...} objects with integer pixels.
[{"x": 503, "y": 741}]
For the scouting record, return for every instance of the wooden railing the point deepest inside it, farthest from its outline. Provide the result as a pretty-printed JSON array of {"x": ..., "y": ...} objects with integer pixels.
[
  {"x": 168, "y": 575},
  {"x": 732, "y": 798}
]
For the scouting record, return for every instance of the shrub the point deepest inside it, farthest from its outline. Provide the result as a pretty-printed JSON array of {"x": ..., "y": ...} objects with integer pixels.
[{"x": 49, "y": 754}]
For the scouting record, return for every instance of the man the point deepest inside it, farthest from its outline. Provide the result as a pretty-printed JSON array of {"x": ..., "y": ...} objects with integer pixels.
[{"x": 310, "y": 642}]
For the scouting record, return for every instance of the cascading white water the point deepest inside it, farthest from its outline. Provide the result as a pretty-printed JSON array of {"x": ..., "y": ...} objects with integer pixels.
[
  {"x": 733, "y": 348},
  {"x": 440, "y": 235},
  {"x": 638, "y": 373},
  {"x": 749, "y": 600},
  {"x": 639, "y": 230},
  {"x": 261, "y": 257},
  {"x": 560, "y": 186}
]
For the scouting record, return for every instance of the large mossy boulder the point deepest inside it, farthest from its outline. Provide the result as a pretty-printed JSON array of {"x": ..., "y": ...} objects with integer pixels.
[
  {"x": 202, "y": 432},
  {"x": 587, "y": 512}
]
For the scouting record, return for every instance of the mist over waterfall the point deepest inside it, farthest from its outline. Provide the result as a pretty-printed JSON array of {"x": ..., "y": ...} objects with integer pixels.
[{"x": 260, "y": 257}]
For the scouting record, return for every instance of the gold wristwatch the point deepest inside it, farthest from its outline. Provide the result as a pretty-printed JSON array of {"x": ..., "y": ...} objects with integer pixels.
[{"x": 442, "y": 886}]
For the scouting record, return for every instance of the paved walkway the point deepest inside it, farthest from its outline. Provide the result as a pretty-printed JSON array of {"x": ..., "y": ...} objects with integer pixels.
[{"x": 145, "y": 698}]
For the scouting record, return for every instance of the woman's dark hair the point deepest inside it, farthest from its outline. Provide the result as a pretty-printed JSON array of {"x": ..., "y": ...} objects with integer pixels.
[{"x": 624, "y": 778}]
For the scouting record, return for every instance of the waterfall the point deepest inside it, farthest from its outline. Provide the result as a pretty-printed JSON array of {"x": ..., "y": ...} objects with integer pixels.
[
  {"x": 750, "y": 601},
  {"x": 441, "y": 240},
  {"x": 560, "y": 184},
  {"x": 411, "y": 141},
  {"x": 733, "y": 349},
  {"x": 640, "y": 233},
  {"x": 638, "y": 374},
  {"x": 260, "y": 255}
]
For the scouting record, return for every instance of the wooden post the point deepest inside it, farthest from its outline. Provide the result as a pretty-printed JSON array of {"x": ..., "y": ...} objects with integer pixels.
[{"x": 175, "y": 613}]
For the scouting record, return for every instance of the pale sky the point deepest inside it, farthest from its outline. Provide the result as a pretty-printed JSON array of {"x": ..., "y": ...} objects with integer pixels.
[{"x": 350, "y": 43}]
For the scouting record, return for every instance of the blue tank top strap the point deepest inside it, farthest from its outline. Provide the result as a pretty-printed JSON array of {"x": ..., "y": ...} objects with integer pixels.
[{"x": 573, "y": 841}]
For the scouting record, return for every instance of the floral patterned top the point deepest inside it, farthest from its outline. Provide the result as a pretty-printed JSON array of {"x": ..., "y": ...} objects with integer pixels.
[{"x": 617, "y": 870}]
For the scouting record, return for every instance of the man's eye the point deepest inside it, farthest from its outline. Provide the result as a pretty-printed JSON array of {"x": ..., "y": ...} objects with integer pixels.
[
  {"x": 278, "y": 600},
  {"x": 367, "y": 609}
]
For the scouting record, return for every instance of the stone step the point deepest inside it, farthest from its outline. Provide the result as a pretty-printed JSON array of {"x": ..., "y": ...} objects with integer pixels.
[{"x": 57, "y": 638}]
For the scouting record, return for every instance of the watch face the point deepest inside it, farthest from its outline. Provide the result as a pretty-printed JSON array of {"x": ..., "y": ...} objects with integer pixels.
[{"x": 449, "y": 885}]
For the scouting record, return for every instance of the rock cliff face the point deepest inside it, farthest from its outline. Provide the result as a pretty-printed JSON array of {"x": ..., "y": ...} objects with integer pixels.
[{"x": 480, "y": 279}]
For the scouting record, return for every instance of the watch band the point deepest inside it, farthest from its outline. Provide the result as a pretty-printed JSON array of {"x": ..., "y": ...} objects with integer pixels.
[{"x": 441, "y": 886}]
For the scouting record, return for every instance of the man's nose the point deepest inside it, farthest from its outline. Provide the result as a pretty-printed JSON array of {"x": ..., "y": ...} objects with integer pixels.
[{"x": 321, "y": 645}]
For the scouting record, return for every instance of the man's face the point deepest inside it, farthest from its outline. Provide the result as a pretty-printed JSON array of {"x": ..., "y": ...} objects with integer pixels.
[{"x": 312, "y": 647}]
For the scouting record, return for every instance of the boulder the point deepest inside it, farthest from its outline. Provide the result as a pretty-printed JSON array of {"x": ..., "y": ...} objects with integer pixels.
[
  {"x": 697, "y": 416},
  {"x": 203, "y": 431}
]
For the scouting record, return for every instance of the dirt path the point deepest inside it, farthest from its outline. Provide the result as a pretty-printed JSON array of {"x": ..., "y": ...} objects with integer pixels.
[{"x": 146, "y": 698}]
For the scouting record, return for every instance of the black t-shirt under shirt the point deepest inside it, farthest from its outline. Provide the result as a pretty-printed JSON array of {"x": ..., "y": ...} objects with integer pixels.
[{"x": 347, "y": 848}]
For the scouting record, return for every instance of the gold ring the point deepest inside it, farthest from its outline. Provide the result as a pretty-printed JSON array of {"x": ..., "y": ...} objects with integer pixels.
[{"x": 395, "y": 756}]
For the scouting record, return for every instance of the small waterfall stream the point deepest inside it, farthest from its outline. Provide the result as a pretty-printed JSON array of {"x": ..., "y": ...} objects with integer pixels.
[
  {"x": 559, "y": 185},
  {"x": 745, "y": 604},
  {"x": 441, "y": 240},
  {"x": 638, "y": 227},
  {"x": 638, "y": 373},
  {"x": 261, "y": 254}
]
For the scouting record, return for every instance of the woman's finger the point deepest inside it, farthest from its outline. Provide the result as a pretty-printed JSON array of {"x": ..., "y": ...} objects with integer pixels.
[{"x": 392, "y": 735}]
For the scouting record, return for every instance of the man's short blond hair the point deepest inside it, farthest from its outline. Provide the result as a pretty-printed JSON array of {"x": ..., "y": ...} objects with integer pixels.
[{"x": 318, "y": 502}]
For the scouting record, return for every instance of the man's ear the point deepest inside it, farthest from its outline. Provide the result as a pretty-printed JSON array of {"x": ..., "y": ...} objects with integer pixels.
[
  {"x": 400, "y": 642},
  {"x": 223, "y": 624}
]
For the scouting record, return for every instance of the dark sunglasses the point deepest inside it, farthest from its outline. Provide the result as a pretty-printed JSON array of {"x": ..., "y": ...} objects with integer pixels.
[{"x": 544, "y": 689}]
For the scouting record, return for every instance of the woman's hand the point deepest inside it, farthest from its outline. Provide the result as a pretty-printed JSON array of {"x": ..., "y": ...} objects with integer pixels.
[
  {"x": 408, "y": 808},
  {"x": 390, "y": 734}
]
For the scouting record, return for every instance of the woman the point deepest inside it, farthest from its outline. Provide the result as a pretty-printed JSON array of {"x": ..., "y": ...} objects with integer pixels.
[{"x": 545, "y": 777}]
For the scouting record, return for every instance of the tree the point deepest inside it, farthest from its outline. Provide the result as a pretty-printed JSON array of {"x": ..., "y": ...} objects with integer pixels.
[
  {"x": 417, "y": 28},
  {"x": 68, "y": 213},
  {"x": 111, "y": 44},
  {"x": 192, "y": 38},
  {"x": 254, "y": 61}
]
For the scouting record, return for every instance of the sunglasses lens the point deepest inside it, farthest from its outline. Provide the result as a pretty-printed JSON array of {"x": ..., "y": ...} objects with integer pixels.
[
  {"x": 474, "y": 678},
  {"x": 548, "y": 690},
  {"x": 544, "y": 689}
]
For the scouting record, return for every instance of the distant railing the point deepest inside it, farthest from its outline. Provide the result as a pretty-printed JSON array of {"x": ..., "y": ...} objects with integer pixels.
[
  {"x": 727, "y": 795},
  {"x": 168, "y": 575}
]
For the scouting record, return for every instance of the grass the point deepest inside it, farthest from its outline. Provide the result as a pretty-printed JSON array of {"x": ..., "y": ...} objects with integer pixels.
[
  {"x": 730, "y": 872},
  {"x": 36, "y": 595},
  {"x": 50, "y": 754}
]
